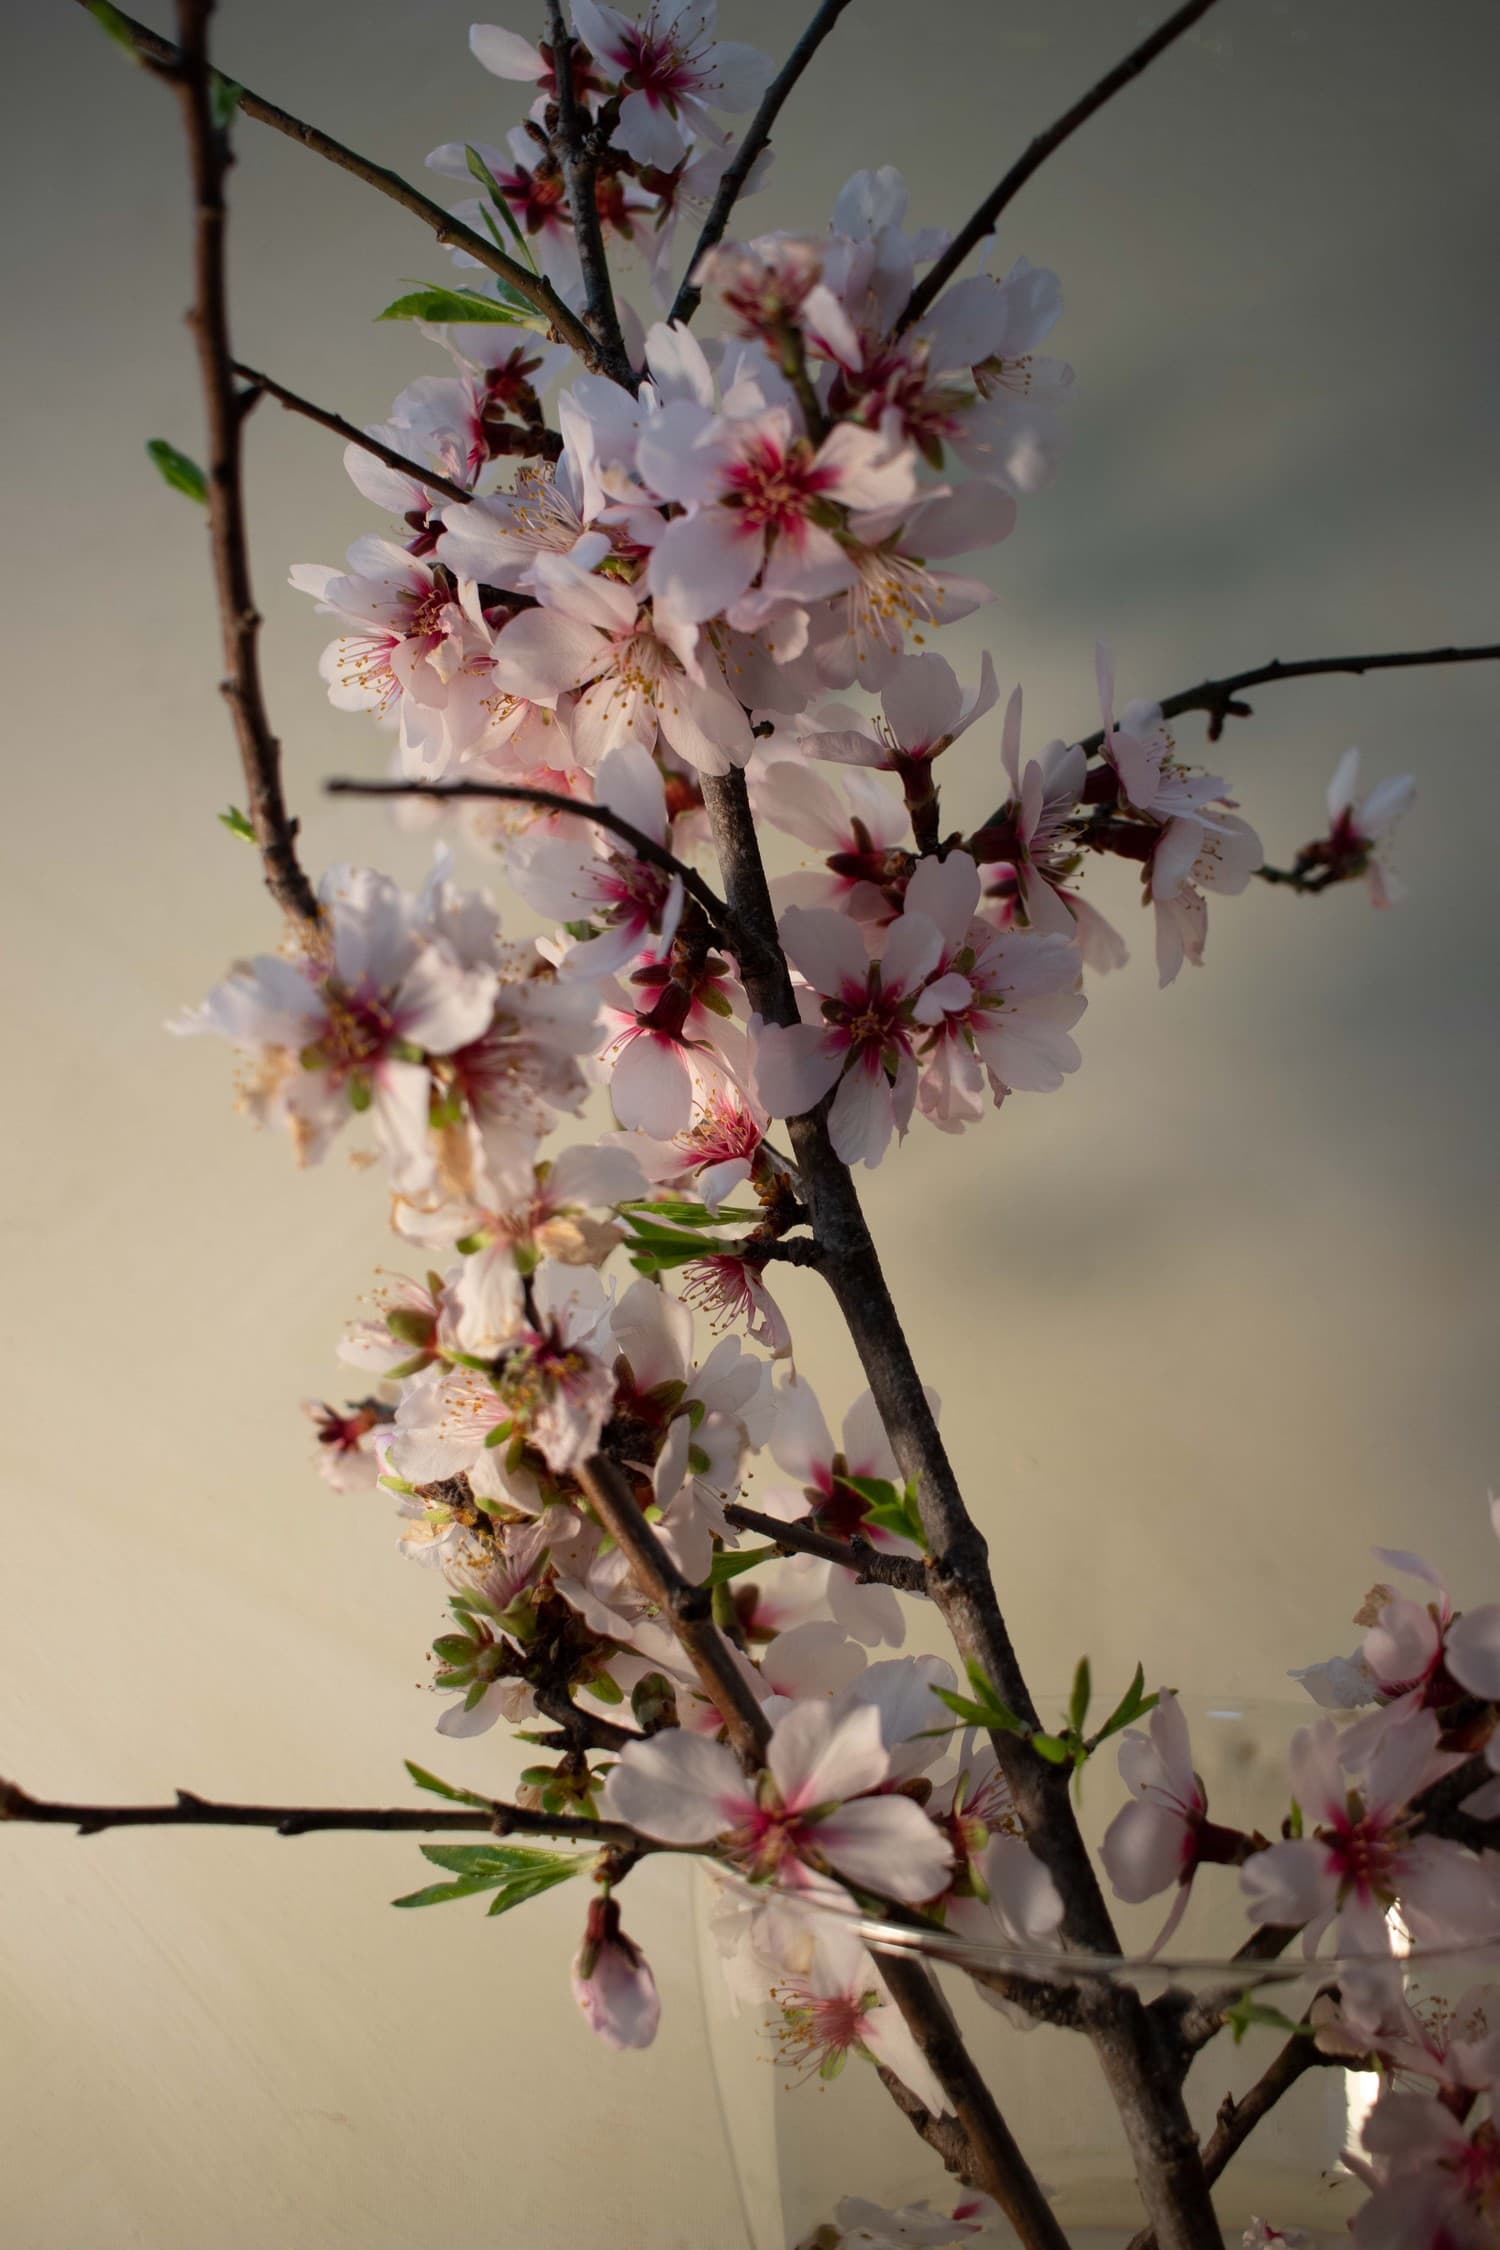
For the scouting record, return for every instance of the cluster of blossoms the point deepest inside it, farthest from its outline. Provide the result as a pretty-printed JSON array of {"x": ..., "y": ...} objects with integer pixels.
[{"x": 668, "y": 590}]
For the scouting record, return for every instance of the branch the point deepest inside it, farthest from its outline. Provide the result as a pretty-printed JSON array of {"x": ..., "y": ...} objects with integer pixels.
[
  {"x": 981, "y": 2149},
  {"x": 189, "y": 1811},
  {"x": 687, "y": 1608},
  {"x": 982, "y": 223},
  {"x": 510, "y": 793},
  {"x": 742, "y": 163},
  {"x": 1134, "y": 2049},
  {"x": 566, "y": 326},
  {"x": 869, "y": 1565},
  {"x": 343, "y": 429},
  {"x": 1220, "y": 698},
  {"x": 579, "y": 166},
  {"x": 1237, "y": 2120},
  {"x": 260, "y": 752}
]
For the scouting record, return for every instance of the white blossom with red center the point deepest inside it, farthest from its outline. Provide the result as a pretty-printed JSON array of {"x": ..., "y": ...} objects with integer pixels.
[
  {"x": 811, "y": 1808},
  {"x": 674, "y": 74}
]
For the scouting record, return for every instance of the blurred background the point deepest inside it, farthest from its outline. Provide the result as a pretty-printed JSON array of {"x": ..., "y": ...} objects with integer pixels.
[{"x": 1207, "y": 1324}]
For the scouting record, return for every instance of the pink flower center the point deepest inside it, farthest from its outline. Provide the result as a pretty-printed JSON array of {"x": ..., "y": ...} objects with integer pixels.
[
  {"x": 1360, "y": 1854},
  {"x": 357, "y": 1027},
  {"x": 774, "y": 491}
]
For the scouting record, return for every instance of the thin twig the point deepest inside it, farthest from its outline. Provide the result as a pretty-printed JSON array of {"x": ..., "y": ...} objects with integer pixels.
[
  {"x": 580, "y": 164},
  {"x": 869, "y": 1565},
  {"x": 346, "y": 430},
  {"x": 260, "y": 752},
  {"x": 982, "y": 223},
  {"x": 757, "y": 133},
  {"x": 1220, "y": 698},
  {"x": 452, "y": 232},
  {"x": 549, "y": 800},
  {"x": 987, "y": 2157},
  {"x": 687, "y": 1608},
  {"x": 493, "y": 1817}
]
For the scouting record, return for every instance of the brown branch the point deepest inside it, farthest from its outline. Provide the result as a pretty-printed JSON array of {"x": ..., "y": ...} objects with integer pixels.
[
  {"x": 574, "y": 142},
  {"x": 566, "y": 326},
  {"x": 757, "y": 133},
  {"x": 983, "y": 2150},
  {"x": 687, "y": 1608},
  {"x": 1220, "y": 698},
  {"x": 494, "y": 1817},
  {"x": 1134, "y": 2050},
  {"x": 974, "y": 230},
  {"x": 509, "y": 793},
  {"x": 260, "y": 752},
  {"x": 1237, "y": 2119},
  {"x": 869, "y": 1565},
  {"x": 347, "y": 430}
]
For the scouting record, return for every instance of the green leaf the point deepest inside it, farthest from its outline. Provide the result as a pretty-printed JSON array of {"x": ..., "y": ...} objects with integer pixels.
[
  {"x": 1078, "y": 1704},
  {"x": 486, "y": 179},
  {"x": 434, "y": 303},
  {"x": 986, "y": 1710},
  {"x": 887, "y": 1509},
  {"x": 689, "y": 1214},
  {"x": 1051, "y": 1747},
  {"x": 224, "y": 98},
  {"x": 110, "y": 20},
  {"x": 727, "y": 1565},
  {"x": 1132, "y": 1705},
  {"x": 238, "y": 824},
  {"x": 513, "y": 1871},
  {"x": 439, "y": 1894},
  {"x": 1246, "y": 2012},
  {"x": 455, "y": 1796},
  {"x": 180, "y": 473}
]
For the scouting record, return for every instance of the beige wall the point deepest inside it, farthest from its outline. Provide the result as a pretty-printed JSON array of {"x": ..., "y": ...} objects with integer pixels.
[{"x": 1206, "y": 1324}]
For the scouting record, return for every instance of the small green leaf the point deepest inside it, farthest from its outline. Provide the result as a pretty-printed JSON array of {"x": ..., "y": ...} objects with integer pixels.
[
  {"x": 439, "y": 1894},
  {"x": 180, "y": 473},
  {"x": 1078, "y": 1704},
  {"x": 1246, "y": 2012},
  {"x": 1132, "y": 1705},
  {"x": 524, "y": 1887},
  {"x": 446, "y": 305},
  {"x": 238, "y": 824},
  {"x": 1052, "y": 1748},
  {"x": 487, "y": 180},
  {"x": 455, "y": 1796},
  {"x": 889, "y": 1509},
  {"x": 224, "y": 98},
  {"x": 727, "y": 1565},
  {"x": 109, "y": 19}
]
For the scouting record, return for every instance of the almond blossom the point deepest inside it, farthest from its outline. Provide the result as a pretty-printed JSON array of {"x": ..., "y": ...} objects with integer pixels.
[
  {"x": 811, "y": 1807},
  {"x": 866, "y": 1044},
  {"x": 1359, "y": 826},
  {"x": 840, "y": 2006},
  {"x": 1361, "y": 1858},
  {"x": 1161, "y": 1838},
  {"x": 612, "y": 1981},
  {"x": 759, "y": 498},
  {"x": 353, "y": 1029},
  {"x": 639, "y": 674},
  {"x": 675, "y": 72}
]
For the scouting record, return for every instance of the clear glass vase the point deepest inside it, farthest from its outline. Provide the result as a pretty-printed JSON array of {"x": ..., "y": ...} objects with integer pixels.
[{"x": 801, "y": 2145}]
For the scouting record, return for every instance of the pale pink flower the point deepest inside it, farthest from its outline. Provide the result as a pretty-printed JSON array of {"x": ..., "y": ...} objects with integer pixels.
[
  {"x": 352, "y": 1027},
  {"x": 674, "y": 71},
  {"x": 840, "y": 2006},
  {"x": 1196, "y": 853},
  {"x": 1044, "y": 801},
  {"x": 1436, "y": 2179},
  {"x": 1360, "y": 824},
  {"x": 811, "y": 1807},
  {"x": 639, "y": 676},
  {"x": 858, "y": 824},
  {"x": 865, "y": 1045},
  {"x": 758, "y": 498},
  {"x": 347, "y": 1460},
  {"x": 923, "y": 713},
  {"x": 862, "y": 2225},
  {"x": 1002, "y": 1007},
  {"x": 774, "y": 285},
  {"x": 612, "y": 1981},
  {"x": 1358, "y": 1859},
  {"x": 728, "y": 1288},
  {"x": 1260, "y": 2235},
  {"x": 592, "y": 876},
  {"x": 1160, "y": 1838},
  {"x": 1143, "y": 755}
]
